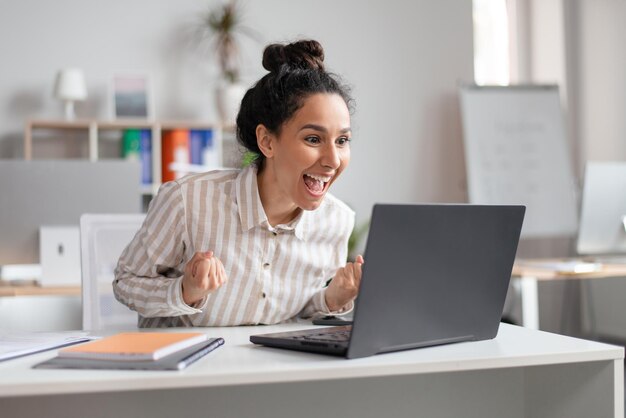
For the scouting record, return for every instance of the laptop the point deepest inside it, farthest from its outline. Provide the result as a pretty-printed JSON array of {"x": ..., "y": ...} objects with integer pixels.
[{"x": 433, "y": 274}]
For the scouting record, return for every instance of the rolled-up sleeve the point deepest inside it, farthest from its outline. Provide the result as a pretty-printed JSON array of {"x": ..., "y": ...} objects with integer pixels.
[
  {"x": 316, "y": 306},
  {"x": 149, "y": 273}
]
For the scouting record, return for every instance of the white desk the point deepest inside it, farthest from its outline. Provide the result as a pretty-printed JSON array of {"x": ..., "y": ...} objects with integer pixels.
[
  {"x": 528, "y": 273},
  {"x": 521, "y": 373}
]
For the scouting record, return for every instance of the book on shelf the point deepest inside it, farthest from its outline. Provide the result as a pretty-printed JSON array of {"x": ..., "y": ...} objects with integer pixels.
[
  {"x": 131, "y": 144},
  {"x": 202, "y": 148},
  {"x": 175, "y": 148},
  {"x": 134, "y": 346},
  {"x": 137, "y": 146},
  {"x": 145, "y": 147},
  {"x": 197, "y": 142},
  {"x": 175, "y": 361}
]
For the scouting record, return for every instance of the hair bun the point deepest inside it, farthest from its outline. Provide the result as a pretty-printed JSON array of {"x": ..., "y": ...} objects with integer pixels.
[{"x": 307, "y": 54}]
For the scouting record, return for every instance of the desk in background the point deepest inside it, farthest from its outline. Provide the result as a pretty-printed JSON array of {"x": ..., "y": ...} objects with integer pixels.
[
  {"x": 528, "y": 273},
  {"x": 7, "y": 290},
  {"x": 36, "y": 308},
  {"x": 521, "y": 373}
]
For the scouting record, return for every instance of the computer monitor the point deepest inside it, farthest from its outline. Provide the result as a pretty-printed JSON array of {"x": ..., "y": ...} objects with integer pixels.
[
  {"x": 56, "y": 193},
  {"x": 603, "y": 212}
]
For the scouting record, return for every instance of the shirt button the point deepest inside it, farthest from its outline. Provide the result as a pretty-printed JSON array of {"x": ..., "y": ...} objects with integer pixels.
[
  {"x": 266, "y": 265},
  {"x": 263, "y": 295},
  {"x": 274, "y": 233}
]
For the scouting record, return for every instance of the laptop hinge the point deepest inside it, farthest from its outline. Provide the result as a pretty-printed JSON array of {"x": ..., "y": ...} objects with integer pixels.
[{"x": 441, "y": 341}]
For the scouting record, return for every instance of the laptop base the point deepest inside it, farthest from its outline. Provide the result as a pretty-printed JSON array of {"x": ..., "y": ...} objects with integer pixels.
[{"x": 305, "y": 341}]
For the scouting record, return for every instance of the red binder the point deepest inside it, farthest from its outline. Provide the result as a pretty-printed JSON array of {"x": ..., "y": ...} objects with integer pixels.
[{"x": 175, "y": 148}]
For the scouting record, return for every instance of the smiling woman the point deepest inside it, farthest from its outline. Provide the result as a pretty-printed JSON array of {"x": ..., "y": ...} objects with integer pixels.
[
  {"x": 255, "y": 245},
  {"x": 307, "y": 156}
]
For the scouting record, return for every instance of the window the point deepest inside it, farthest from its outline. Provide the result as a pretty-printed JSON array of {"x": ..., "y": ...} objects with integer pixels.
[{"x": 491, "y": 42}]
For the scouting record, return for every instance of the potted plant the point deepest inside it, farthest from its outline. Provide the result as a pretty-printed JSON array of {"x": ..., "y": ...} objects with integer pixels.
[
  {"x": 223, "y": 27},
  {"x": 356, "y": 237}
]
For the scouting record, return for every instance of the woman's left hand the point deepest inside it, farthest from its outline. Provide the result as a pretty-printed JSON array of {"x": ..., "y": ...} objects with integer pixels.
[{"x": 344, "y": 287}]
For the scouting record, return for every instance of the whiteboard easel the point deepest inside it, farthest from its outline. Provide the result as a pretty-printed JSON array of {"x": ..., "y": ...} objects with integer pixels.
[{"x": 516, "y": 153}]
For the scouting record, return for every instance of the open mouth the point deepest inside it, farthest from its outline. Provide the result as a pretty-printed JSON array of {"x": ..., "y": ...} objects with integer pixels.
[{"x": 316, "y": 184}]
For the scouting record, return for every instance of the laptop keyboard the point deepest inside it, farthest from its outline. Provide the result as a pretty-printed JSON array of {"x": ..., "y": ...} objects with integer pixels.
[{"x": 341, "y": 335}]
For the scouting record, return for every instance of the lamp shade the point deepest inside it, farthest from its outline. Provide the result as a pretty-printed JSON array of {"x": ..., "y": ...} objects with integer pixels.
[{"x": 70, "y": 84}]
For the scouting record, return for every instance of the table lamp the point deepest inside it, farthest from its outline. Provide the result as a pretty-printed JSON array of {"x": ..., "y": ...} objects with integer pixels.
[{"x": 69, "y": 87}]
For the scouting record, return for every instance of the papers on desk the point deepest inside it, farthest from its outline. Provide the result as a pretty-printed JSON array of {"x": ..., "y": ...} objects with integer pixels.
[
  {"x": 17, "y": 344},
  {"x": 564, "y": 266}
]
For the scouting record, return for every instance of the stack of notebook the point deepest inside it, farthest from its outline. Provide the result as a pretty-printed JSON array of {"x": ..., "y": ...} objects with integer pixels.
[{"x": 136, "y": 350}]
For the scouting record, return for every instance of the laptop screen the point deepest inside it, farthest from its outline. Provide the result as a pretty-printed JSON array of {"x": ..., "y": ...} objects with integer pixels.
[
  {"x": 602, "y": 228},
  {"x": 434, "y": 274}
]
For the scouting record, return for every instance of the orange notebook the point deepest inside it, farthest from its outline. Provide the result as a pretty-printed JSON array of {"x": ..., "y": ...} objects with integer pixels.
[{"x": 134, "y": 346}]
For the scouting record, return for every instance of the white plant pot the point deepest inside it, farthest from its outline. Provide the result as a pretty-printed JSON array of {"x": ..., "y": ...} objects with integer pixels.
[{"x": 229, "y": 97}]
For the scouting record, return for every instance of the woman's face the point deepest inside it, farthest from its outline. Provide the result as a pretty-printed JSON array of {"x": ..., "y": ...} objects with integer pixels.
[{"x": 311, "y": 151}]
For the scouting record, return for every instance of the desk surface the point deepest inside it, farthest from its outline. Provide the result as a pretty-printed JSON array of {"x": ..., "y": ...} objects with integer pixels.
[
  {"x": 239, "y": 362},
  {"x": 30, "y": 290},
  {"x": 536, "y": 269}
]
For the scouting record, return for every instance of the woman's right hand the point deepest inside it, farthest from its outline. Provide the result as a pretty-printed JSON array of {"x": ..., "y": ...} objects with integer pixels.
[{"x": 204, "y": 273}]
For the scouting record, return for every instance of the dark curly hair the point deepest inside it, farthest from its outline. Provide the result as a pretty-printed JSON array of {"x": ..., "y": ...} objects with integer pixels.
[{"x": 296, "y": 71}]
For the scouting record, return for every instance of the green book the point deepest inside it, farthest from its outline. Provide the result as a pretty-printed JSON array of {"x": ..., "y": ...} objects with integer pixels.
[{"x": 131, "y": 144}]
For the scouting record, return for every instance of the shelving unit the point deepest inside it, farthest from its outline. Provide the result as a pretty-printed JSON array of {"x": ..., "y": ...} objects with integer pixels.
[{"x": 94, "y": 128}]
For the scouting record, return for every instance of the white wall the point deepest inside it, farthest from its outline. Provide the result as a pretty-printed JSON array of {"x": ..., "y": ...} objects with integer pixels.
[
  {"x": 579, "y": 44},
  {"x": 540, "y": 45},
  {"x": 599, "y": 32},
  {"x": 602, "y": 80},
  {"x": 404, "y": 60}
]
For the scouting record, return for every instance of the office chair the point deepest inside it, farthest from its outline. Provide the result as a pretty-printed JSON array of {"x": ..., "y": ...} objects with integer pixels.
[{"x": 103, "y": 237}]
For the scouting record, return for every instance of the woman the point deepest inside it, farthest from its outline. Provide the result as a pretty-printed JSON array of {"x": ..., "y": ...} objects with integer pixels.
[{"x": 258, "y": 245}]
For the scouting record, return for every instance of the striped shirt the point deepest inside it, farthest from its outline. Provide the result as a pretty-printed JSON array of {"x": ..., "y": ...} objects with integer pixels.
[{"x": 274, "y": 272}]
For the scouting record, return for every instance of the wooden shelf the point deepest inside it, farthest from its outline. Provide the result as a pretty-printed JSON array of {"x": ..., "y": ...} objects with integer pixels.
[{"x": 93, "y": 127}]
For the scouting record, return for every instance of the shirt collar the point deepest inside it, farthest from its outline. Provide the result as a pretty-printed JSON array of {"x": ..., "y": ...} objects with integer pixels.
[
  {"x": 302, "y": 224},
  {"x": 299, "y": 226},
  {"x": 251, "y": 212}
]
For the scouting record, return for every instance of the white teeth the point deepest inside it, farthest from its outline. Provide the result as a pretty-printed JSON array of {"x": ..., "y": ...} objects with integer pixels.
[{"x": 319, "y": 178}]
